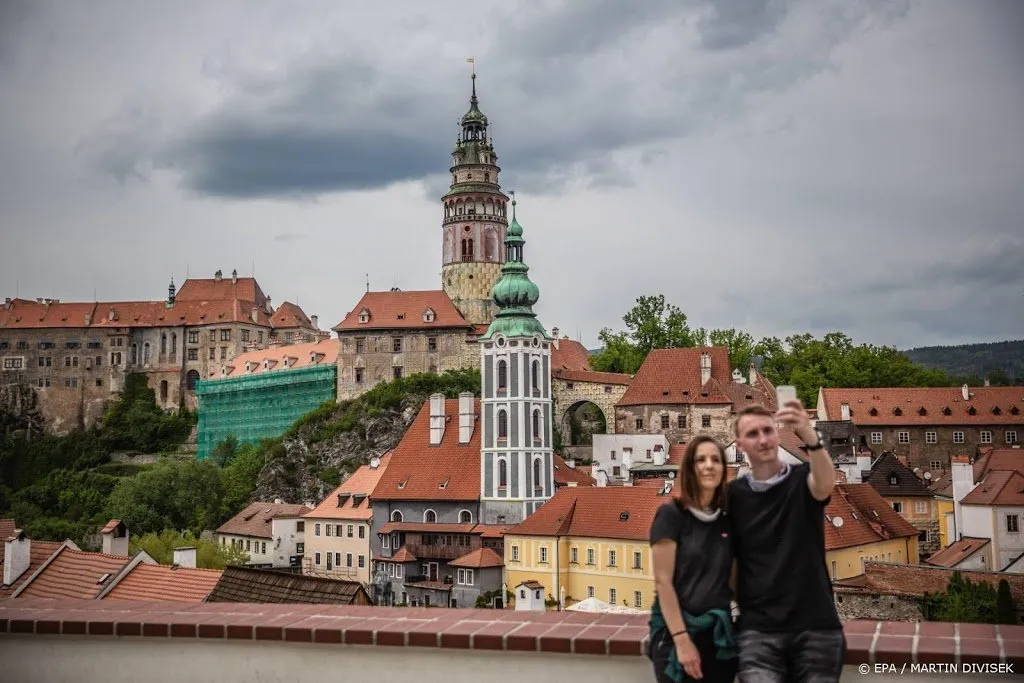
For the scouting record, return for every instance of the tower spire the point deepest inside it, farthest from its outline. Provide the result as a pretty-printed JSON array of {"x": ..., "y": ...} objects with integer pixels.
[{"x": 515, "y": 294}]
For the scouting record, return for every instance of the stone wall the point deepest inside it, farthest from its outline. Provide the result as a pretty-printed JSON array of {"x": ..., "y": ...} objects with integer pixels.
[
  {"x": 926, "y": 548},
  {"x": 880, "y": 607},
  {"x": 566, "y": 394},
  {"x": 720, "y": 416},
  {"x": 468, "y": 285}
]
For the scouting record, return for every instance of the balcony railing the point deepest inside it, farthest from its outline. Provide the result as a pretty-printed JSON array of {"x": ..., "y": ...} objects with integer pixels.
[
  {"x": 112, "y": 640},
  {"x": 440, "y": 552}
]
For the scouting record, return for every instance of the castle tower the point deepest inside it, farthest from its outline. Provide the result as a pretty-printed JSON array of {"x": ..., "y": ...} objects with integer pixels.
[
  {"x": 474, "y": 220},
  {"x": 517, "y": 468}
]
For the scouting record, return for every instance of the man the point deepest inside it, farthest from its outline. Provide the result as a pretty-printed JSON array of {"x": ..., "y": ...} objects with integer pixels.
[{"x": 788, "y": 626}]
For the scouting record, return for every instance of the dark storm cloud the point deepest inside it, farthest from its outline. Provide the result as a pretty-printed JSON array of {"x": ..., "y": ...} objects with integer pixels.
[{"x": 567, "y": 88}]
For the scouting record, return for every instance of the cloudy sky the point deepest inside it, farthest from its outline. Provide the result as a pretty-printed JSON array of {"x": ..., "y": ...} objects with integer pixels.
[{"x": 774, "y": 166}]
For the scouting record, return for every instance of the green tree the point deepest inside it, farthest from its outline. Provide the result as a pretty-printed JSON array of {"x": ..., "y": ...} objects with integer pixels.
[
  {"x": 964, "y": 601},
  {"x": 172, "y": 495},
  {"x": 652, "y": 323},
  {"x": 740, "y": 345},
  {"x": 1006, "y": 613},
  {"x": 224, "y": 452},
  {"x": 617, "y": 354},
  {"x": 134, "y": 421},
  {"x": 209, "y": 554}
]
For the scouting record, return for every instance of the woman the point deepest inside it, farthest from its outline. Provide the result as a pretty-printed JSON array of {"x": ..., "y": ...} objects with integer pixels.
[{"x": 691, "y": 623}]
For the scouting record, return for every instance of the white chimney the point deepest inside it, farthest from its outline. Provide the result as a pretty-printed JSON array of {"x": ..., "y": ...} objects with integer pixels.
[
  {"x": 863, "y": 468},
  {"x": 465, "y": 417},
  {"x": 738, "y": 377},
  {"x": 374, "y": 462},
  {"x": 705, "y": 367},
  {"x": 554, "y": 337},
  {"x": 570, "y": 463},
  {"x": 572, "y": 484},
  {"x": 185, "y": 557},
  {"x": 753, "y": 373},
  {"x": 436, "y": 419},
  {"x": 659, "y": 456},
  {"x": 115, "y": 538},
  {"x": 963, "y": 483},
  {"x": 987, "y": 383},
  {"x": 278, "y": 501},
  {"x": 601, "y": 478},
  {"x": 965, "y": 392},
  {"x": 844, "y": 411},
  {"x": 17, "y": 557},
  {"x": 315, "y": 319}
]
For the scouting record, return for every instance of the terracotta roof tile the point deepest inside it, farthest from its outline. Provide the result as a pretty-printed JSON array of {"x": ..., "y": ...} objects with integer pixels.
[
  {"x": 162, "y": 583},
  {"x": 38, "y": 553},
  {"x": 401, "y": 555},
  {"x": 74, "y": 574},
  {"x": 883, "y": 578},
  {"x": 957, "y": 551},
  {"x": 999, "y": 487},
  {"x": 353, "y": 495},
  {"x": 886, "y": 469},
  {"x": 591, "y": 376},
  {"x": 200, "y": 289},
  {"x": 440, "y": 528},
  {"x": 624, "y": 512},
  {"x": 867, "y": 518},
  {"x": 7, "y": 527},
  {"x": 904, "y": 406},
  {"x": 565, "y": 474},
  {"x": 245, "y": 584},
  {"x": 398, "y": 310},
  {"x": 672, "y": 376},
  {"x": 420, "y": 471},
  {"x": 481, "y": 558},
  {"x": 569, "y": 354},
  {"x": 299, "y": 356},
  {"x": 1005, "y": 459},
  {"x": 289, "y": 315},
  {"x": 108, "y": 314},
  {"x": 255, "y": 520},
  {"x": 492, "y": 530},
  {"x": 110, "y": 526}
]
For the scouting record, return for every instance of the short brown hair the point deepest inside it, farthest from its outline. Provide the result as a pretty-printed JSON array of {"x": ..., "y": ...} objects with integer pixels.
[
  {"x": 687, "y": 492},
  {"x": 750, "y": 410}
]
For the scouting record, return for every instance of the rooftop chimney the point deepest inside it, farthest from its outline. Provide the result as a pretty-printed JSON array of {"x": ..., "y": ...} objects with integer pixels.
[
  {"x": 218, "y": 275},
  {"x": 570, "y": 463},
  {"x": 753, "y": 373},
  {"x": 16, "y": 556},
  {"x": 965, "y": 392},
  {"x": 554, "y": 337},
  {"x": 963, "y": 483},
  {"x": 465, "y": 417},
  {"x": 315, "y": 319},
  {"x": 705, "y": 367},
  {"x": 185, "y": 557},
  {"x": 115, "y": 538},
  {"x": 987, "y": 383},
  {"x": 374, "y": 462},
  {"x": 738, "y": 377},
  {"x": 844, "y": 411},
  {"x": 436, "y": 419},
  {"x": 863, "y": 467},
  {"x": 234, "y": 276}
]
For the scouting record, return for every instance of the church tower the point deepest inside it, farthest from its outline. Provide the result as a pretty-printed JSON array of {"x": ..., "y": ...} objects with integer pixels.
[
  {"x": 517, "y": 470},
  {"x": 474, "y": 220}
]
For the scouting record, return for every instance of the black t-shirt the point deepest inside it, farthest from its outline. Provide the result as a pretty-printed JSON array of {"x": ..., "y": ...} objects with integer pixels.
[
  {"x": 779, "y": 536},
  {"x": 703, "y": 557}
]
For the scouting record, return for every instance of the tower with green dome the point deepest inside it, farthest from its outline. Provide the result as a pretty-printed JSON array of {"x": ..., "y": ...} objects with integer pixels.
[
  {"x": 473, "y": 230},
  {"x": 516, "y": 457}
]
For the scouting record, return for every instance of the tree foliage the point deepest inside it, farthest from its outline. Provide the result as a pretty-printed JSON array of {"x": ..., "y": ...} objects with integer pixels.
[
  {"x": 209, "y": 554},
  {"x": 134, "y": 422},
  {"x": 964, "y": 601}
]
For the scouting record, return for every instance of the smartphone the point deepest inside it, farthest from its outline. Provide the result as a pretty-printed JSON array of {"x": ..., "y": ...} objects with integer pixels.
[{"x": 784, "y": 394}]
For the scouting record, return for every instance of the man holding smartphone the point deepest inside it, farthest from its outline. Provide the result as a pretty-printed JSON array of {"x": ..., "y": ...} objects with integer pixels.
[{"x": 788, "y": 627}]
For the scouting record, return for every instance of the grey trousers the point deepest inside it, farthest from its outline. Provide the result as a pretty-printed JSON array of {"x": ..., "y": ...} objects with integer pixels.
[{"x": 798, "y": 656}]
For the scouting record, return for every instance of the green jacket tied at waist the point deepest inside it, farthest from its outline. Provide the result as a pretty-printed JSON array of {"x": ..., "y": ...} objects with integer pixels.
[{"x": 719, "y": 621}]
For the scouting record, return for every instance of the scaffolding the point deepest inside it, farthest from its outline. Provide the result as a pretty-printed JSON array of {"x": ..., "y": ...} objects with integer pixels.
[{"x": 259, "y": 406}]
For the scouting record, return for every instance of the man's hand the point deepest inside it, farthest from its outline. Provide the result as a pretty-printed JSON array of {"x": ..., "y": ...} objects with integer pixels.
[{"x": 822, "y": 478}]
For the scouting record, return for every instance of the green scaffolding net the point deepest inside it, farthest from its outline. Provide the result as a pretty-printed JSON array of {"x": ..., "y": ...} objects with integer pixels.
[{"x": 260, "y": 406}]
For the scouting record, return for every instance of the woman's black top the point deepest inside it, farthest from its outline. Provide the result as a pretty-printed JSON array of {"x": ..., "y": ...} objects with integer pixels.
[{"x": 703, "y": 557}]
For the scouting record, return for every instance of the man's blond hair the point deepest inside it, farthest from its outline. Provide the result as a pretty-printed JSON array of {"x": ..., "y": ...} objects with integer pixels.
[{"x": 749, "y": 410}]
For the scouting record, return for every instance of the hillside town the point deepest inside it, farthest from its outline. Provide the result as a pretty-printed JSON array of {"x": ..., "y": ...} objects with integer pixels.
[{"x": 486, "y": 501}]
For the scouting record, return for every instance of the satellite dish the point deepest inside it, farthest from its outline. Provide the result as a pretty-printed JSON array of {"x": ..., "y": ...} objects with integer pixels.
[
  {"x": 928, "y": 475},
  {"x": 837, "y": 522}
]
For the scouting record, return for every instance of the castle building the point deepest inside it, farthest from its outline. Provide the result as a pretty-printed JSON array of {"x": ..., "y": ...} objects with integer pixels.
[{"x": 517, "y": 471}]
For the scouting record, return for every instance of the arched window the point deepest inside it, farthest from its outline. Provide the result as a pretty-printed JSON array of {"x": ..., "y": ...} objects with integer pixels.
[
  {"x": 145, "y": 353},
  {"x": 174, "y": 342},
  {"x": 191, "y": 378},
  {"x": 465, "y": 517},
  {"x": 502, "y": 375},
  {"x": 502, "y": 424},
  {"x": 430, "y": 517},
  {"x": 163, "y": 343},
  {"x": 396, "y": 515},
  {"x": 135, "y": 354},
  {"x": 502, "y": 473},
  {"x": 535, "y": 376},
  {"x": 535, "y": 426},
  {"x": 163, "y": 391},
  {"x": 467, "y": 248},
  {"x": 537, "y": 482}
]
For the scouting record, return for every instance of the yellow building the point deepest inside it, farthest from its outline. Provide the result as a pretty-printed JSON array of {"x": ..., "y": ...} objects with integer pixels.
[
  {"x": 909, "y": 495},
  {"x": 859, "y": 526},
  {"x": 338, "y": 529},
  {"x": 944, "y": 511},
  {"x": 588, "y": 542}
]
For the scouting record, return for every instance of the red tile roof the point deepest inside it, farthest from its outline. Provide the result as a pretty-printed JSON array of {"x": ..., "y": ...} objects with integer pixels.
[
  {"x": 999, "y": 487},
  {"x": 428, "y": 527},
  {"x": 361, "y": 483},
  {"x": 624, "y": 512},
  {"x": 255, "y": 520},
  {"x": 569, "y": 354},
  {"x": 883, "y": 578},
  {"x": 447, "y": 471},
  {"x": 886, "y": 469},
  {"x": 592, "y": 376},
  {"x": 165, "y": 584},
  {"x": 403, "y": 310},
  {"x": 565, "y": 474},
  {"x": 492, "y": 530},
  {"x": 38, "y": 553},
  {"x": 866, "y": 518},
  {"x": 481, "y": 558},
  {"x": 199, "y": 289},
  {"x": 74, "y": 574},
  {"x": 289, "y": 315},
  {"x": 107, "y": 314},
  {"x": 110, "y": 526},
  {"x": 672, "y": 377},
  {"x": 957, "y": 552},
  {"x": 299, "y": 356},
  {"x": 1003, "y": 459},
  {"x": 927, "y": 406},
  {"x": 7, "y": 527}
]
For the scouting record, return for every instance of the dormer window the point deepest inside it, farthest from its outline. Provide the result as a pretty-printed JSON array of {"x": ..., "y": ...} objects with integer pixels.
[
  {"x": 1014, "y": 410},
  {"x": 997, "y": 411},
  {"x": 873, "y": 412},
  {"x": 364, "y": 315},
  {"x": 946, "y": 411},
  {"x": 922, "y": 411},
  {"x": 428, "y": 315},
  {"x": 893, "y": 479},
  {"x": 972, "y": 411},
  {"x": 897, "y": 411}
]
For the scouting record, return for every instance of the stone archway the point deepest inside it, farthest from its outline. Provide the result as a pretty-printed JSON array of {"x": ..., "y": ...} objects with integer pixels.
[
  {"x": 576, "y": 427},
  {"x": 579, "y": 397}
]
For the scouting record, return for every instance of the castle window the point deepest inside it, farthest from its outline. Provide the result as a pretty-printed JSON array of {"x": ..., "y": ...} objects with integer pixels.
[
  {"x": 467, "y": 248},
  {"x": 502, "y": 424},
  {"x": 191, "y": 379},
  {"x": 428, "y": 315},
  {"x": 364, "y": 316},
  {"x": 502, "y": 375},
  {"x": 537, "y": 483},
  {"x": 536, "y": 426},
  {"x": 535, "y": 377},
  {"x": 502, "y": 473},
  {"x": 396, "y": 344},
  {"x": 487, "y": 177},
  {"x": 431, "y": 343}
]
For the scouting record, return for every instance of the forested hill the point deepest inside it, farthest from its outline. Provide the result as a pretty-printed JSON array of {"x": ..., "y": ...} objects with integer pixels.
[{"x": 1005, "y": 359}]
